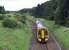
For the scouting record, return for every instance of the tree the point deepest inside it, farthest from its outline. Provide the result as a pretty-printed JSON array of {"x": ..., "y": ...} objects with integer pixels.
[{"x": 2, "y": 10}]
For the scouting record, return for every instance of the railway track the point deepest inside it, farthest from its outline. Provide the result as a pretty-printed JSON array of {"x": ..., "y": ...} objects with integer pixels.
[
  {"x": 38, "y": 46},
  {"x": 50, "y": 45}
]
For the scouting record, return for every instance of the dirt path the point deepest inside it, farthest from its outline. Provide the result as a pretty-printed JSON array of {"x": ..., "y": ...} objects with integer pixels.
[{"x": 51, "y": 45}]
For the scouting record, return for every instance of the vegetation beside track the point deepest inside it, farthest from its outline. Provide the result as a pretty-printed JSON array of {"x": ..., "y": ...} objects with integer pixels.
[
  {"x": 17, "y": 38},
  {"x": 61, "y": 33}
]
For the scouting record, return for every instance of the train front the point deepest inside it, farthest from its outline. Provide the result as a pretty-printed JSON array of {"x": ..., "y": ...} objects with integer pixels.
[{"x": 42, "y": 35}]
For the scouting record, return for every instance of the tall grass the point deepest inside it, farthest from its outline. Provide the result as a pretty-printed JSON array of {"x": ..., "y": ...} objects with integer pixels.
[{"x": 15, "y": 39}]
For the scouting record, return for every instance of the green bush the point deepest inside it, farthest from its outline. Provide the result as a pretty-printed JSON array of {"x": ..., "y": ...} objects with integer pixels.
[
  {"x": 22, "y": 19},
  {"x": 2, "y": 16},
  {"x": 9, "y": 23},
  {"x": 9, "y": 15}
]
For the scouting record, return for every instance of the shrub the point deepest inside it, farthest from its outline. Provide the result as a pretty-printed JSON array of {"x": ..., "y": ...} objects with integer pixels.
[
  {"x": 2, "y": 16},
  {"x": 9, "y": 23},
  {"x": 22, "y": 19},
  {"x": 9, "y": 15}
]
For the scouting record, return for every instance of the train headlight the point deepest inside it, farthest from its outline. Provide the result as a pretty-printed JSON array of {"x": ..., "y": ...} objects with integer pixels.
[
  {"x": 39, "y": 40},
  {"x": 46, "y": 39}
]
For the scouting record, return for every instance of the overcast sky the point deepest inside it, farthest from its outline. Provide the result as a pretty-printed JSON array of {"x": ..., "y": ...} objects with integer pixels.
[{"x": 14, "y": 5}]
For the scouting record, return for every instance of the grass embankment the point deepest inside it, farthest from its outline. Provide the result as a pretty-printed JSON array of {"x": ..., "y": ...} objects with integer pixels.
[
  {"x": 15, "y": 39},
  {"x": 61, "y": 33}
]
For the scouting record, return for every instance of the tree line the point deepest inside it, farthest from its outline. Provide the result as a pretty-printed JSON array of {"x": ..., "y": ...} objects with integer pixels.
[
  {"x": 2, "y": 10},
  {"x": 57, "y": 10}
]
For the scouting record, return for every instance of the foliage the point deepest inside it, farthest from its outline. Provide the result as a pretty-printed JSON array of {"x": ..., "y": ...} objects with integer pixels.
[
  {"x": 9, "y": 23},
  {"x": 57, "y": 10},
  {"x": 15, "y": 39},
  {"x": 2, "y": 10},
  {"x": 23, "y": 19},
  {"x": 46, "y": 10},
  {"x": 60, "y": 32},
  {"x": 2, "y": 16}
]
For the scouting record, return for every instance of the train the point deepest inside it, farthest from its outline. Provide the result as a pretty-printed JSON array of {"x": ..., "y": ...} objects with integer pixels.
[{"x": 42, "y": 35}]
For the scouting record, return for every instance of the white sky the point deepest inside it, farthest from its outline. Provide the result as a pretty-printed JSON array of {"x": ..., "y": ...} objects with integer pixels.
[{"x": 14, "y": 5}]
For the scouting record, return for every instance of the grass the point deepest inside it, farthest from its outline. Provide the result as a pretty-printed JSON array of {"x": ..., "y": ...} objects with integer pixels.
[
  {"x": 15, "y": 39},
  {"x": 61, "y": 33},
  {"x": 18, "y": 39}
]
